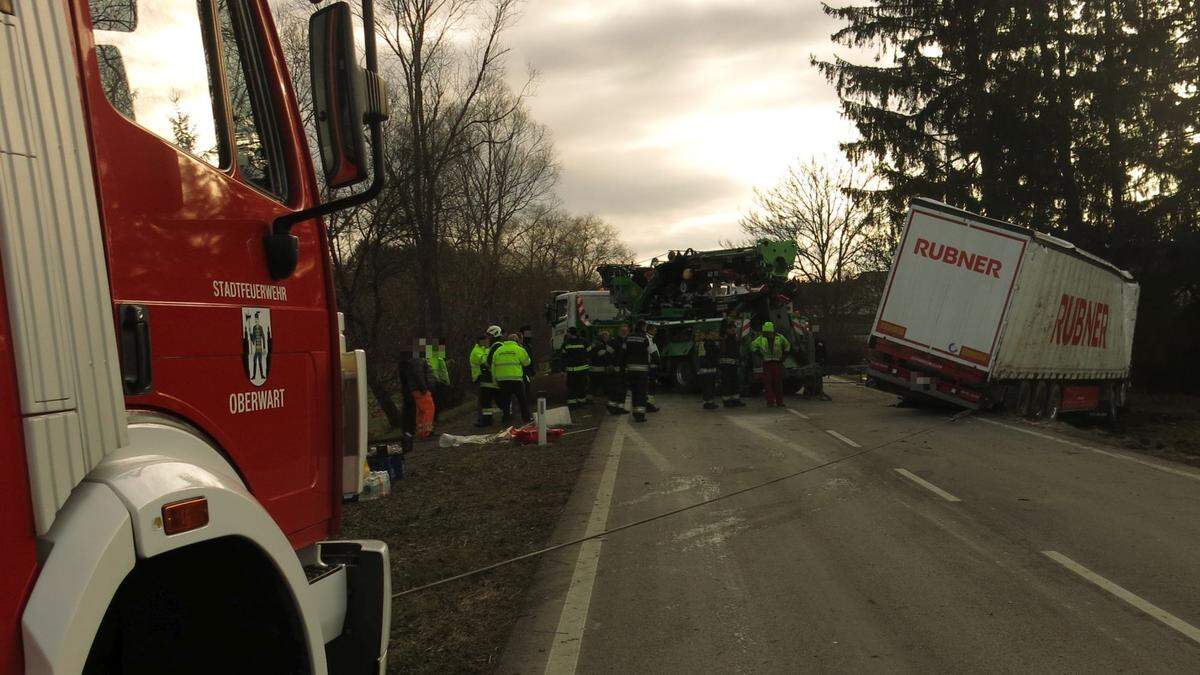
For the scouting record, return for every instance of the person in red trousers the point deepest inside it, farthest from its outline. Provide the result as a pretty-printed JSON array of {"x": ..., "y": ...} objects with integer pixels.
[{"x": 772, "y": 347}]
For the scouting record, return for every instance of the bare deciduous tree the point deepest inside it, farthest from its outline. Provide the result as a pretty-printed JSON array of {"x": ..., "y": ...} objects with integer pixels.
[
  {"x": 508, "y": 170},
  {"x": 441, "y": 90},
  {"x": 818, "y": 205}
]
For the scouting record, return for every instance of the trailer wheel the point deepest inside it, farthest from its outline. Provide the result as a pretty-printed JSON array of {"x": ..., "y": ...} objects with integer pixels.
[
  {"x": 1024, "y": 398},
  {"x": 683, "y": 375},
  {"x": 1040, "y": 395},
  {"x": 1120, "y": 394},
  {"x": 1053, "y": 402},
  {"x": 791, "y": 387}
]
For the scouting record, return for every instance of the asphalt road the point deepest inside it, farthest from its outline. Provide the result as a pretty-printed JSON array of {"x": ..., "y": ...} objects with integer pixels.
[{"x": 978, "y": 544}]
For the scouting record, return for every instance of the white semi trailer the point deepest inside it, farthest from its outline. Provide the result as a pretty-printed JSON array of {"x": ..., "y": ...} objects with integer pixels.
[{"x": 980, "y": 312}]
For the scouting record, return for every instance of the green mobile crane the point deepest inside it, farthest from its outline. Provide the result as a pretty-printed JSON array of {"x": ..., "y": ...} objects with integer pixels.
[{"x": 689, "y": 296}]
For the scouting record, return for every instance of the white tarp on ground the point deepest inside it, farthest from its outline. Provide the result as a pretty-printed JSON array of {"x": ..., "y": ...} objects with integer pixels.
[
  {"x": 555, "y": 417},
  {"x": 452, "y": 441}
]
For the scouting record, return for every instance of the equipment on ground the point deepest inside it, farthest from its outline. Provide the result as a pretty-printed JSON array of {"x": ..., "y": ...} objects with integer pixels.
[
  {"x": 179, "y": 417},
  {"x": 979, "y": 313}
]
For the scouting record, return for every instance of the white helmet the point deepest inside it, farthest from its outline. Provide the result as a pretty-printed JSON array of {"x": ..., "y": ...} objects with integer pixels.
[{"x": 495, "y": 331}]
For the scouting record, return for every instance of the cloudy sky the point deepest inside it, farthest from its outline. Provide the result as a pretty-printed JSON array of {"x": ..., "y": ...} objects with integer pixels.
[{"x": 667, "y": 113}]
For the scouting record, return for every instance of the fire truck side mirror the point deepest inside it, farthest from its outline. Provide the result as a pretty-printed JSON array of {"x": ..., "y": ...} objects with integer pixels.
[
  {"x": 345, "y": 98},
  {"x": 337, "y": 92}
]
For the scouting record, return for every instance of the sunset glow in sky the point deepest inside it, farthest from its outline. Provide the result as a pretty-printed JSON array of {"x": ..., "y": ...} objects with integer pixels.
[{"x": 667, "y": 114}]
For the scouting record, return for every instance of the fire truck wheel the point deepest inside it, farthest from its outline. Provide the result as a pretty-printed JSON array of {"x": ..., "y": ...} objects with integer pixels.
[
  {"x": 1039, "y": 399},
  {"x": 201, "y": 609},
  {"x": 1053, "y": 402},
  {"x": 1024, "y": 398}
]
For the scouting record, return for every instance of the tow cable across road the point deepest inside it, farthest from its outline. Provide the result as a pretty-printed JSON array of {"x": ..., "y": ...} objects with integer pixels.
[{"x": 575, "y": 542}]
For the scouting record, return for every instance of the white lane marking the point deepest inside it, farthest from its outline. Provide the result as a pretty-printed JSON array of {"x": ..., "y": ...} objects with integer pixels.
[
  {"x": 1188, "y": 630},
  {"x": 564, "y": 653},
  {"x": 927, "y": 485},
  {"x": 797, "y": 413},
  {"x": 656, "y": 458},
  {"x": 842, "y": 438},
  {"x": 1081, "y": 446},
  {"x": 841, "y": 380},
  {"x": 780, "y": 440}
]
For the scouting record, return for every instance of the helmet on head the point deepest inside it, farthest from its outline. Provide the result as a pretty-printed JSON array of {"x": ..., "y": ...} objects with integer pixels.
[
  {"x": 768, "y": 327},
  {"x": 495, "y": 331}
]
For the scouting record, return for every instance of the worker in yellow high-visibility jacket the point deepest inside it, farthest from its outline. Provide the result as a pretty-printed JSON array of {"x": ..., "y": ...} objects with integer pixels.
[
  {"x": 773, "y": 348},
  {"x": 507, "y": 361}
]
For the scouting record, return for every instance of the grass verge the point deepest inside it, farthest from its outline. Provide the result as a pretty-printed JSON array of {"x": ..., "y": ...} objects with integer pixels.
[
  {"x": 1161, "y": 425},
  {"x": 458, "y": 509}
]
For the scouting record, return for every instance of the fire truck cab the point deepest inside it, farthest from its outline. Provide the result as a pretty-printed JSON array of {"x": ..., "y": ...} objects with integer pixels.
[{"x": 179, "y": 418}]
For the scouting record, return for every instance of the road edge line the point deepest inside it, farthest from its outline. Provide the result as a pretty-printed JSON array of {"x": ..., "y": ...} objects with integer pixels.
[
  {"x": 572, "y": 621},
  {"x": 1081, "y": 446}
]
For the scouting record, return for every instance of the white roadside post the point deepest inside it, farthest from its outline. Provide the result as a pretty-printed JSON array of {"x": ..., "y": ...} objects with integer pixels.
[{"x": 541, "y": 417}]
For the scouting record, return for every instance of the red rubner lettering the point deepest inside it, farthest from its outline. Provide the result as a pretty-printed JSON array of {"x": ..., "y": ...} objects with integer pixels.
[
  {"x": 1080, "y": 322},
  {"x": 974, "y": 262}
]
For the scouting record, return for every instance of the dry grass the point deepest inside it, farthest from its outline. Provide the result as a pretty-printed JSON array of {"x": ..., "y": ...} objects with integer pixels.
[{"x": 1163, "y": 425}]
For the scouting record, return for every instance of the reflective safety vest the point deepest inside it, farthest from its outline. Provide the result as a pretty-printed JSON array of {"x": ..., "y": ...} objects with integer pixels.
[
  {"x": 508, "y": 361},
  {"x": 435, "y": 355},
  {"x": 478, "y": 360},
  {"x": 771, "y": 350}
]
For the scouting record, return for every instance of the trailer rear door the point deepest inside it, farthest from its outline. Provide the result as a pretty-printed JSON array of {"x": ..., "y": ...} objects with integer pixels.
[{"x": 950, "y": 285}]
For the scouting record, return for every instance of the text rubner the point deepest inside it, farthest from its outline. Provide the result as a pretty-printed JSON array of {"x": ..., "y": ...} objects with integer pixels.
[
  {"x": 975, "y": 262},
  {"x": 1080, "y": 322}
]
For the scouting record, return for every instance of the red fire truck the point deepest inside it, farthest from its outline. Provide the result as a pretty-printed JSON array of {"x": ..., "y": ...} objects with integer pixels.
[{"x": 179, "y": 419}]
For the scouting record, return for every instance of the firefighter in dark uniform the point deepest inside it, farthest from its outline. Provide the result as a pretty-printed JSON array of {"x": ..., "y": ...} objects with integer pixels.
[
  {"x": 817, "y": 387},
  {"x": 730, "y": 364},
  {"x": 655, "y": 364},
  {"x": 635, "y": 357},
  {"x": 708, "y": 353},
  {"x": 616, "y": 386},
  {"x": 599, "y": 356},
  {"x": 606, "y": 368},
  {"x": 575, "y": 362}
]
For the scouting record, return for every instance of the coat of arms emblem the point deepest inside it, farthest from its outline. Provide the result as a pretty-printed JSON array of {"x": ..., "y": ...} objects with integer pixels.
[{"x": 256, "y": 343}]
